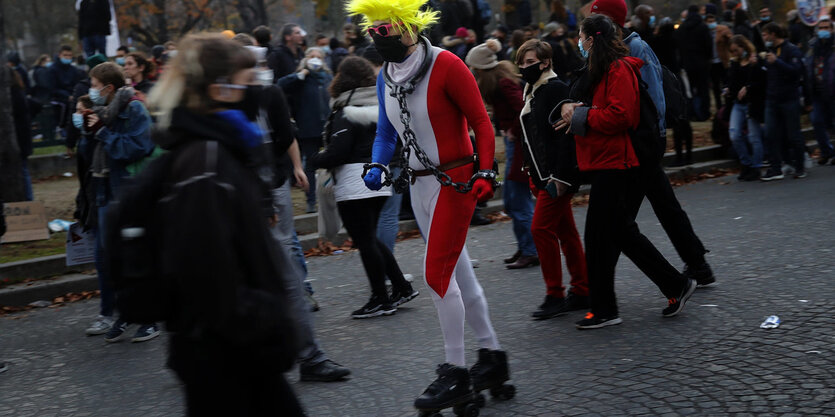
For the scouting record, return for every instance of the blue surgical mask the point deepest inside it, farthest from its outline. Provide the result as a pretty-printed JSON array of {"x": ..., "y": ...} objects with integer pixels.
[
  {"x": 712, "y": 25},
  {"x": 120, "y": 61},
  {"x": 766, "y": 19},
  {"x": 652, "y": 20},
  {"x": 769, "y": 44},
  {"x": 49, "y": 64},
  {"x": 824, "y": 34},
  {"x": 96, "y": 97},
  {"x": 78, "y": 120},
  {"x": 583, "y": 51},
  {"x": 66, "y": 61}
]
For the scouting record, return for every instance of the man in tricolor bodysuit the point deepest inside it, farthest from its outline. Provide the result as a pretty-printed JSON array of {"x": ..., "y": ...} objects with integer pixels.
[{"x": 428, "y": 97}]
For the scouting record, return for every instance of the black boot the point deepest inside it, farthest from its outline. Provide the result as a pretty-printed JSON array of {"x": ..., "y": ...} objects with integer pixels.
[
  {"x": 490, "y": 370},
  {"x": 452, "y": 385}
]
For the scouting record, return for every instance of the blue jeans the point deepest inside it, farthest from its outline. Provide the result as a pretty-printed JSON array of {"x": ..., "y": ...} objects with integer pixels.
[
  {"x": 93, "y": 44},
  {"x": 782, "y": 132},
  {"x": 27, "y": 180},
  {"x": 389, "y": 223},
  {"x": 518, "y": 205},
  {"x": 823, "y": 112},
  {"x": 108, "y": 297},
  {"x": 753, "y": 159},
  {"x": 284, "y": 232}
]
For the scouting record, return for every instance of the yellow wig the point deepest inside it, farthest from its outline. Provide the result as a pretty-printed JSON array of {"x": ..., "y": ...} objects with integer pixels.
[{"x": 405, "y": 15}]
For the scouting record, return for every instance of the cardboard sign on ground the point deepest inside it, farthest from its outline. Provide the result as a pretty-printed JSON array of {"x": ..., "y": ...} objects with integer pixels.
[
  {"x": 25, "y": 221},
  {"x": 81, "y": 246}
]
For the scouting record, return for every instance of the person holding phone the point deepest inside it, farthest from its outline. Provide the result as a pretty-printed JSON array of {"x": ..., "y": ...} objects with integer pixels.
[{"x": 552, "y": 165}]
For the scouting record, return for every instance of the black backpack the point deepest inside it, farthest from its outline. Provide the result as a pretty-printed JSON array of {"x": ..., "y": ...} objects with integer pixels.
[
  {"x": 647, "y": 142},
  {"x": 133, "y": 246},
  {"x": 674, "y": 96}
]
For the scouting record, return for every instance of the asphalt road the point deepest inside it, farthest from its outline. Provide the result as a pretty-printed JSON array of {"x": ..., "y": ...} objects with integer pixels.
[{"x": 771, "y": 249}]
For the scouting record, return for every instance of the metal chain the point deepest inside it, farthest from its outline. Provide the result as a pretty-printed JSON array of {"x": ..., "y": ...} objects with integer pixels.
[{"x": 402, "y": 182}]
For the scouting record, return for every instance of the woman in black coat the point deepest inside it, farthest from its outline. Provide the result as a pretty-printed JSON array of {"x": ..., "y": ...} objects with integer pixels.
[
  {"x": 349, "y": 137},
  {"x": 231, "y": 333}
]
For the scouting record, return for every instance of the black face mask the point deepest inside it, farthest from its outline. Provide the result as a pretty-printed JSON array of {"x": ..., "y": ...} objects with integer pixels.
[
  {"x": 250, "y": 103},
  {"x": 391, "y": 48},
  {"x": 531, "y": 73}
]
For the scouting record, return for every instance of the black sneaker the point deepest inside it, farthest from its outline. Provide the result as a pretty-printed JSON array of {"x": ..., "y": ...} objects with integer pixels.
[
  {"x": 800, "y": 174},
  {"x": 325, "y": 371},
  {"x": 145, "y": 332},
  {"x": 574, "y": 302},
  {"x": 772, "y": 175},
  {"x": 675, "y": 305},
  {"x": 702, "y": 274},
  {"x": 823, "y": 160},
  {"x": 116, "y": 331},
  {"x": 552, "y": 307},
  {"x": 595, "y": 322},
  {"x": 753, "y": 175},
  {"x": 403, "y": 295},
  {"x": 373, "y": 308}
]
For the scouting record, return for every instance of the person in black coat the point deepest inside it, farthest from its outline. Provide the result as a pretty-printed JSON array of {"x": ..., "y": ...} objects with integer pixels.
[
  {"x": 285, "y": 58},
  {"x": 741, "y": 25},
  {"x": 94, "y": 26},
  {"x": 349, "y": 137},
  {"x": 23, "y": 128},
  {"x": 232, "y": 321},
  {"x": 696, "y": 50}
]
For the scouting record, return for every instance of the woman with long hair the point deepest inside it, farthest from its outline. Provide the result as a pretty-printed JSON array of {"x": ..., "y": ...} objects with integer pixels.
[
  {"x": 500, "y": 87},
  {"x": 307, "y": 89},
  {"x": 746, "y": 90},
  {"x": 607, "y": 109},
  {"x": 349, "y": 136},
  {"x": 231, "y": 333}
]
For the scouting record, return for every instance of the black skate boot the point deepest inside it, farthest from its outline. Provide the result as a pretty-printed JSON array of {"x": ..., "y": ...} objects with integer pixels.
[
  {"x": 451, "y": 389},
  {"x": 491, "y": 372}
]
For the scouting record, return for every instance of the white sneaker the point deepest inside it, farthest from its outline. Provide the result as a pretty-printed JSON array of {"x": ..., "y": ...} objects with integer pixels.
[
  {"x": 100, "y": 326},
  {"x": 408, "y": 277}
]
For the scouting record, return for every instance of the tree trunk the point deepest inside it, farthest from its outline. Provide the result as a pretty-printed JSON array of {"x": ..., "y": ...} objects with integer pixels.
[{"x": 11, "y": 172}]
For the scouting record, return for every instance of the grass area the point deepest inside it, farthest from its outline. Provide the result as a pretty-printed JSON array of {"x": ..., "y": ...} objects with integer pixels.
[
  {"x": 49, "y": 150},
  {"x": 13, "y": 252}
]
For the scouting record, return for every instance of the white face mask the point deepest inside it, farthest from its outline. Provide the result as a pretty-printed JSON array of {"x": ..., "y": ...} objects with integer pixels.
[
  {"x": 264, "y": 76},
  {"x": 315, "y": 64}
]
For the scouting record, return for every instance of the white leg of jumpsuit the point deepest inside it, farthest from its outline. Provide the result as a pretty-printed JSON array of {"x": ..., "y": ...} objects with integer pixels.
[{"x": 464, "y": 299}]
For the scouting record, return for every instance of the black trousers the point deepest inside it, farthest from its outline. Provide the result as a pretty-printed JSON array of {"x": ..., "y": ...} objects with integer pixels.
[
  {"x": 673, "y": 218},
  {"x": 221, "y": 388},
  {"x": 614, "y": 201},
  {"x": 718, "y": 73},
  {"x": 307, "y": 148},
  {"x": 360, "y": 220},
  {"x": 683, "y": 140}
]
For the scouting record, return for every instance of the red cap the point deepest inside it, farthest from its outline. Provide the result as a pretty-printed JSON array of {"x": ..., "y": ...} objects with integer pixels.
[
  {"x": 615, "y": 9},
  {"x": 461, "y": 32}
]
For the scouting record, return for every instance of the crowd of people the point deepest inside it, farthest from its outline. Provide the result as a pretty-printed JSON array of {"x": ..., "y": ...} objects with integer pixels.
[{"x": 409, "y": 102}]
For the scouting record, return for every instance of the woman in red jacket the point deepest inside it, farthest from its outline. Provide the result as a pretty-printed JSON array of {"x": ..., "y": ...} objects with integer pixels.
[{"x": 608, "y": 108}]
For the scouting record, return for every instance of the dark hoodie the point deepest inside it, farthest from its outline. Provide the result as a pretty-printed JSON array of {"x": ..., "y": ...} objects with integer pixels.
[
  {"x": 218, "y": 250},
  {"x": 695, "y": 43},
  {"x": 64, "y": 78}
]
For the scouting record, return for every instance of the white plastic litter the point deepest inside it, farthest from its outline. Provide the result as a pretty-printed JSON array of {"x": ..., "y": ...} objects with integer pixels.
[
  {"x": 59, "y": 225},
  {"x": 40, "y": 304},
  {"x": 771, "y": 322},
  {"x": 67, "y": 174}
]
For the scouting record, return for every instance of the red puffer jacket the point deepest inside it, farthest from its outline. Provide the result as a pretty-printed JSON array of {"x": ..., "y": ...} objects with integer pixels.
[{"x": 615, "y": 109}]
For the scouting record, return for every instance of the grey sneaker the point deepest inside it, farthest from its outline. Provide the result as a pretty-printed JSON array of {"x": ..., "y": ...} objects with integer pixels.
[
  {"x": 145, "y": 332},
  {"x": 3, "y": 367},
  {"x": 116, "y": 331},
  {"x": 100, "y": 326}
]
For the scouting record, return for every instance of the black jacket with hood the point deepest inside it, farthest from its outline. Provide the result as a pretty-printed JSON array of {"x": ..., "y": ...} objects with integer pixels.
[
  {"x": 217, "y": 248},
  {"x": 548, "y": 154}
]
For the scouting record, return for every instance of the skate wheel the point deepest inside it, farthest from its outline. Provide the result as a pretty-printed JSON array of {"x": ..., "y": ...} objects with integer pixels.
[
  {"x": 480, "y": 401},
  {"x": 504, "y": 392},
  {"x": 466, "y": 410}
]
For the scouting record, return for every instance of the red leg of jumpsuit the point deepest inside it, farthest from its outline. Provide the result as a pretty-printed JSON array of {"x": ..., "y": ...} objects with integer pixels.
[
  {"x": 444, "y": 217},
  {"x": 553, "y": 227}
]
